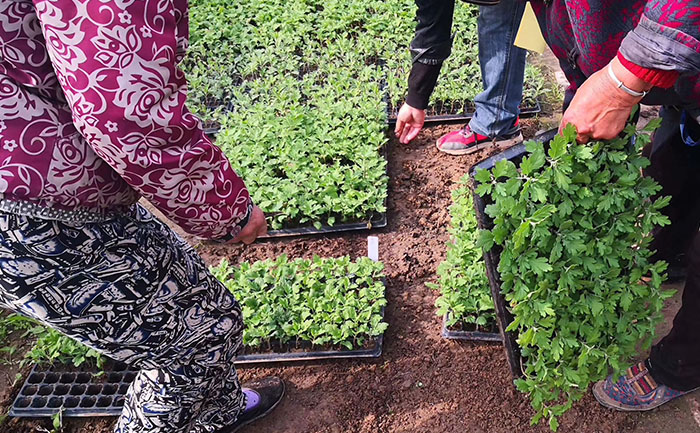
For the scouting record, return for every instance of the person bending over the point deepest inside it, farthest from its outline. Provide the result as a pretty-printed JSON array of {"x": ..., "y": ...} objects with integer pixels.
[
  {"x": 93, "y": 117},
  {"x": 495, "y": 120}
]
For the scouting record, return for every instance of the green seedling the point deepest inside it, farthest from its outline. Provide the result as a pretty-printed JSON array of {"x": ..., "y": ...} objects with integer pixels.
[
  {"x": 575, "y": 224},
  {"x": 464, "y": 287},
  {"x": 333, "y": 302}
]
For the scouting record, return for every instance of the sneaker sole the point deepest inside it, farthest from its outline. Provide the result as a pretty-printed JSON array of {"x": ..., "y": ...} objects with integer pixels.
[
  {"x": 262, "y": 415},
  {"x": 471, "y": 149}
]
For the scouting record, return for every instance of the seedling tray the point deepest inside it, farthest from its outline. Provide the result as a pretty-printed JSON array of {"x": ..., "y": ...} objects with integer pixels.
[
  {"x": 87, "y": 394},
  {"x": 377, "y": 221},
  {"x": 265, "y": 358},
  {"x": 491, "y": 257},
  {"x": 457, "y": 112},
  {"x": 80, "y": 393},
  {"x": 468, "y": 335},
  {"x": 374, "y": 352}
]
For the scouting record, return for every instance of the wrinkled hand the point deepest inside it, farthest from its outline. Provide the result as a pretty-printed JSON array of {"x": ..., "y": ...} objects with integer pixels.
[
  {"x": 409, "y": 123},
  {"x": 256, "y": 227},
  {"x": 599, "y": 109}
]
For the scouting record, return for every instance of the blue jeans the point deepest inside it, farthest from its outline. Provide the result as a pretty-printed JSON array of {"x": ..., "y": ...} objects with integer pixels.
[{"x": 502, "y": 69}]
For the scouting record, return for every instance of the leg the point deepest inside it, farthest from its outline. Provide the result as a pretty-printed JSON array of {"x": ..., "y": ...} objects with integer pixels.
[
  {"x": 130, "y": 288},
  {"x": 677, "y": 168},
  {"x": 675, "y": 361},
  {"x": 502, "y": 69}
]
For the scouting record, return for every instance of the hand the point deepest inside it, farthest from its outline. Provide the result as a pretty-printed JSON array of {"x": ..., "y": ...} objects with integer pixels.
[
  {"x": 256, "y": 227},
  {"x": 599, "y": 109},
  {"x": 409, "y": 122}
]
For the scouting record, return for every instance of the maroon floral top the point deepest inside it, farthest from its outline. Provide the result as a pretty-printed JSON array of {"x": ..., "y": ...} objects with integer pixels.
[{"x": 92, "y": 114}]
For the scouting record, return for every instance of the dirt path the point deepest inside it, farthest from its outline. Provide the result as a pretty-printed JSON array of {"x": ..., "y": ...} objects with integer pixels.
[{"x": 422, "y": 383}]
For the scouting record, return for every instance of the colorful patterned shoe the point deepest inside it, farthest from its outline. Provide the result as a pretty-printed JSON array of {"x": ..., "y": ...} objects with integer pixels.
[
  {"x": 635, "y": 391},
  {"x": 465, "y": 141}
]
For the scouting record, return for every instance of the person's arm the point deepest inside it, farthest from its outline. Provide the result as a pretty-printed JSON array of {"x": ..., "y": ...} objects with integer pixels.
[
  {"x": 116, "y": 63},
  {"x": 431, "y": 45},
  {"x": 664, "y": 45}
]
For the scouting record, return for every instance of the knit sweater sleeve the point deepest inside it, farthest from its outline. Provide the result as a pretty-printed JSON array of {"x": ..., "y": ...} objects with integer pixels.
[{"x": 665, "y": 43}]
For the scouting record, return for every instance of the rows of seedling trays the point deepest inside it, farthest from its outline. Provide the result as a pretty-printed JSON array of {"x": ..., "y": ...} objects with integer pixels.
[{"x": 87, "y": 393}]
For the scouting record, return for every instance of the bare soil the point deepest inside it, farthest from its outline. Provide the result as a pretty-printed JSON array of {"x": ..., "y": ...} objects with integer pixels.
[{"x": 422, "y": 383}]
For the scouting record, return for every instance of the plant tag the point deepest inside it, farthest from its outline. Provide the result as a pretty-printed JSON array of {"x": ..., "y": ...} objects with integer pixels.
[{"x": 373, "y": 248}]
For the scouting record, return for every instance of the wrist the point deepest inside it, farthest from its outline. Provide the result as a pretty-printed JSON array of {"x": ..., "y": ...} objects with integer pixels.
[
  {"x": 628, "y": 79},
  {"x": 654, "y": 77},
  {"x": 412, "y": 107},
  {"x": 417, "y": 100}
]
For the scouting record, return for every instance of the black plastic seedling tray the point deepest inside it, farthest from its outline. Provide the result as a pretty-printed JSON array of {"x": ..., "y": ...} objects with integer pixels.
[
  {"x": 87, "y": 394},
  {"x": 468, "y": 335},
  {"x": 491, "y": 257},
  {"x": 80, "y": 393},
  {"x": 376, "y": 222},
  {"x": 447, "y": 114},
  {"x": 50, "y": 388},
  {"x": 266, "y": 358}
]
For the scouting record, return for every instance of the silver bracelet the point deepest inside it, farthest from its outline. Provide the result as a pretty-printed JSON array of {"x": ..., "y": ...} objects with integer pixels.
[{"x": 620, "y": 85}]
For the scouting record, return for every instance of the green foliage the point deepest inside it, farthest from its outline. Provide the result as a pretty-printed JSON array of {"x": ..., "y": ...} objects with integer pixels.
[
  {"x": 575, "y": 225},
  {"x": 49, "y": 346},
  {"x": 11, "y": 323},
  {"x": 466, "y": 295},
  {"x": 53, "y": 347},
  {"x": 307, "y": 81},
  {"x": 309, "y": 118},
  {"x": 321, "y": 301}
]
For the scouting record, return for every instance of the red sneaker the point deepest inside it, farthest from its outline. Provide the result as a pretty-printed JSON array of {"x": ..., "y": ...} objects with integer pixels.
[{"x": 465, "y": 141}]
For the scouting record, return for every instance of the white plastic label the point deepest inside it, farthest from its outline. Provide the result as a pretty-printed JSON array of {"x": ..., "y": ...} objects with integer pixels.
[{"x": 373, "y": 248}]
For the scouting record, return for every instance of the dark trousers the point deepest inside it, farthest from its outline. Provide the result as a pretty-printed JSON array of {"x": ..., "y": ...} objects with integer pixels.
[{"x": 675, "y": 361}]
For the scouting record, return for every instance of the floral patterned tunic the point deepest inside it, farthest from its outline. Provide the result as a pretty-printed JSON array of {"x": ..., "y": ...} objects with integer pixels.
[{"x": 93, "y": 115}]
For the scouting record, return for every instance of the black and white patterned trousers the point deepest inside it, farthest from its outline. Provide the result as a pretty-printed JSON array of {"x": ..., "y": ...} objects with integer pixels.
[{"x": 130, "y": 288}]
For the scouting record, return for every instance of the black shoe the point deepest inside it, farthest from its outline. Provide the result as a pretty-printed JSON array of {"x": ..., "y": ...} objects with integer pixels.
[{"x": 270, "y": 391}]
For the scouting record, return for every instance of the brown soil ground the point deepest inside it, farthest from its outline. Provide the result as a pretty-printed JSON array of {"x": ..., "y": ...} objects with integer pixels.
[{"x": 422, "y": 383}]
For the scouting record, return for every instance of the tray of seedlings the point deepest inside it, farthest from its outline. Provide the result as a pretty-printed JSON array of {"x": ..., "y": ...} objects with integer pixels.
[
  {"x": 566, "y": 230},
  {"x": 465, "y": 301},
  {"x": 301, "y": 310},
  {"x": 309, "y": 122}
]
